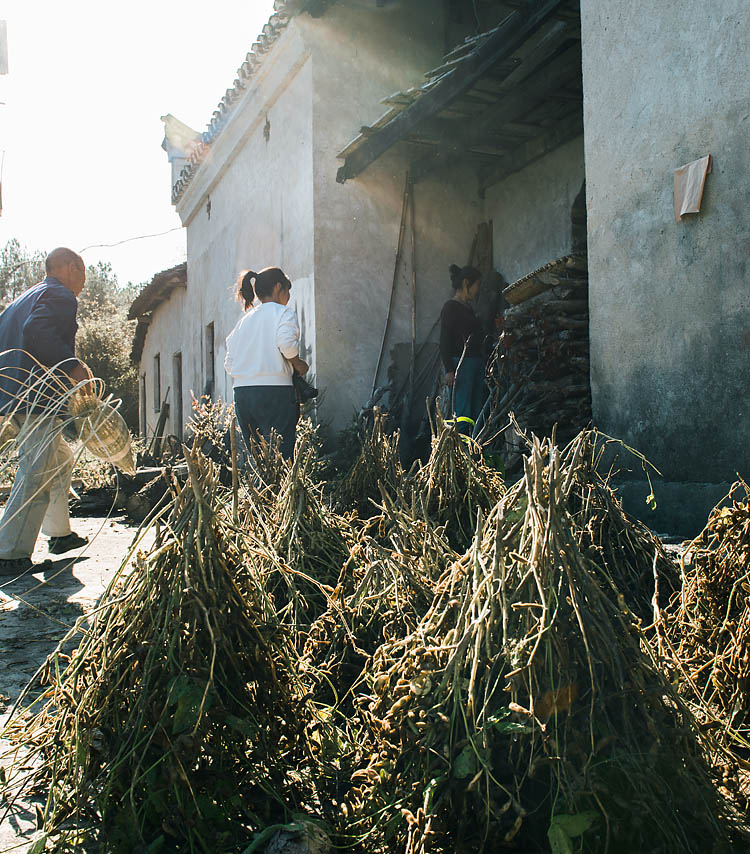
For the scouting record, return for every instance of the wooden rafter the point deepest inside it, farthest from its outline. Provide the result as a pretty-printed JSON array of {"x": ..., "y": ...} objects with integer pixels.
[
  {"x": 500, "y": 45},
  {"x": 533, "y": 149},
  {"x": 517, "y": 104}
]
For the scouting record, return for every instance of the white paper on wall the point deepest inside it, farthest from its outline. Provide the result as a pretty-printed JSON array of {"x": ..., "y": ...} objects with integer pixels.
[{"x": 689, "y": 181}]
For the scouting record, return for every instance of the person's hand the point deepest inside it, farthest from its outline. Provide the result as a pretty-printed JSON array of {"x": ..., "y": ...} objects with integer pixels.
[
  {"x": 80, "y": 373},
  {"x": 449, "y": 379},
  {"x": 300, "y": 365}
]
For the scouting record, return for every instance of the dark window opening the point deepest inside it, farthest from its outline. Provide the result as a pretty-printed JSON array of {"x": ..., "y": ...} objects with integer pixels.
[
  {"x": 177, "y": 383},
  {"x": 157, "y": 382},
  {"x": 143, "y": 413},
  {"x": 210, "y": 369}
]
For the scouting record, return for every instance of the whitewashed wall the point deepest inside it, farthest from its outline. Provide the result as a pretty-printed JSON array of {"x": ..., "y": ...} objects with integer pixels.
[
  {"x": 165, "y": 337},
  {"x": 258, "y": 183},
  {"x": 361, "y": 54}
]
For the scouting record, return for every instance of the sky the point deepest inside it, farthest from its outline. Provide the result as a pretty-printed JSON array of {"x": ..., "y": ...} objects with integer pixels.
[{"x": 80, "y": 128}]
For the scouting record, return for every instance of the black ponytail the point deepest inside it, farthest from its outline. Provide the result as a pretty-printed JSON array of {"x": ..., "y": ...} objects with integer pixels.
[
  {"x": 458, "y": 274},
  {"x": 263, "y": 287},
  {"x": 245, "y": 290}
]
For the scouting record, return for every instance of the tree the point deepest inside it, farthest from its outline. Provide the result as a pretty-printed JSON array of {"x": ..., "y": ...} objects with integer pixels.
[
  {"x": 105, "y": 335},
  {"x": 20, "y": 268}
]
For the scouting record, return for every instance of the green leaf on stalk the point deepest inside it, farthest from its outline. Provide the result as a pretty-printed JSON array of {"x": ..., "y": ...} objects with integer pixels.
[
  {"x": 186, "y": 693},
  {"x": 564, "y": 828},
  {"x": 244, "y": 726},
  {"x": 500, "y": 722},
  {"x": 38, "y": 844},
  {"x": 559, "y": 841},
  {"x": 464, "y": 764}
]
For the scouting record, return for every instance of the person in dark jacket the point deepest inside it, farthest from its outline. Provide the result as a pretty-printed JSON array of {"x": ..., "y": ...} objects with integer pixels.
[
  {"x": 37, "y": 364},
  {"x": 461, "y": 344}
]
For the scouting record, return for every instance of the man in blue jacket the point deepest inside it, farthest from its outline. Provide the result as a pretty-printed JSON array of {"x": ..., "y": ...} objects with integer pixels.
[{"x": 37, "y": 365}]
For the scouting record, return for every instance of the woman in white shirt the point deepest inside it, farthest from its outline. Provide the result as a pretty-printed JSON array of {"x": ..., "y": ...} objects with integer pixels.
[{"x": 262, "y": 355}]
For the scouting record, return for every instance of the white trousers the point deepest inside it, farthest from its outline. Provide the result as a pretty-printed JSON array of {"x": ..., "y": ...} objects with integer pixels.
[{"x": 39, "y": 497}]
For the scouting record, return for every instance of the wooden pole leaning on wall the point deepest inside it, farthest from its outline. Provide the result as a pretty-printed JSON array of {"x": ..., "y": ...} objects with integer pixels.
[
  {"x": 235, "y": 474},
  {"x": 399, "y": 253},
  {"x": 412, "y": 364},
  {"x": 409, "y": 400},
  {"x": 155, "y": 447}
]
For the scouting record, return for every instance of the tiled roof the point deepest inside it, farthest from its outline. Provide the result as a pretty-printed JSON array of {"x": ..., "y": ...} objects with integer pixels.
[
  {"x": 156, "y": 292},
  {"x": 139, "y": 340},
  {"x": 284, "y": 11}
]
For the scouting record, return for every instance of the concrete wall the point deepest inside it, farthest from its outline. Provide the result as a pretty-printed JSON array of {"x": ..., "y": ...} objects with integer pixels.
[
  {"x": 361, "y": 54},
  {"x": 670, "y": 312},
  {"x": 258, "y": 184},
  {"x": 531, "y": 211}
]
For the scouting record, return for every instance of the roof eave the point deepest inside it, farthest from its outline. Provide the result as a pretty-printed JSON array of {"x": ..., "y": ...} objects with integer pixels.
[
  {"x": 504, "y": 40},
  {"x": 158, "y": 290},
  {"x": 284, "y": 11}
]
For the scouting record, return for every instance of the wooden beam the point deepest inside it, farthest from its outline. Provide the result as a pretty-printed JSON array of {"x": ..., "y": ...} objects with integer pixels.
[
  {"x": 516, "y": 28},
  {"x": 512, "y": 107},
  {"x": 506, "y": 67},
  {"x": 565, "y": 14},
  {"x": 520, "y": 130},
  {"x": 541, "y": 47},
  {"x": 525, "y": 154},
  {"x": 486, "y": 151}
]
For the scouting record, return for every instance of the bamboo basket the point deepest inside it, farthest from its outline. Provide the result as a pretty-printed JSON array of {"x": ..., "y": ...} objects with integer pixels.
[{"x": 102, "y": 430}]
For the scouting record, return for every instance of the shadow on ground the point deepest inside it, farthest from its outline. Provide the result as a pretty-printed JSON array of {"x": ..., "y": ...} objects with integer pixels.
[{"x": 35, "y": 614}]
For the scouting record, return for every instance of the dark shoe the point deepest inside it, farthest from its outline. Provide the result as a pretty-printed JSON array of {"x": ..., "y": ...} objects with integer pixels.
[
  {"x": 60, "y": 545},
  {"x": 15, "y": 567}
]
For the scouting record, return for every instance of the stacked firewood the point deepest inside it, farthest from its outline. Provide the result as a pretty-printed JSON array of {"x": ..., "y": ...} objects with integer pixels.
[{"x": 540, "y": 367}]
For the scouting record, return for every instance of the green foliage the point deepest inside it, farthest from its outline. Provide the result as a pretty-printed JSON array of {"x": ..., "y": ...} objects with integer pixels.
[
  {"x": 564, "y": 828},
  {"x": 103, "y": 341},
  {"x": 20, "y": 268},
  {"x": 105, "y": 335}
]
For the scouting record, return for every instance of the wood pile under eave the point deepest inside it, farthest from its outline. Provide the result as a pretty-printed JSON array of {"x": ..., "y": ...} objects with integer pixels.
[{"x": 543, "y": 350}]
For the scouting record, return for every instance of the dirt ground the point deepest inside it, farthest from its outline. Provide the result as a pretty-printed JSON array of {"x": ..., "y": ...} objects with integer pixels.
[{"x": 37, "y": 610}]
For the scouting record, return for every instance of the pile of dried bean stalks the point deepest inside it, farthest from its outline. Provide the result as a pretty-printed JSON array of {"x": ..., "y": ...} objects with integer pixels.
[
  {"x": 453, "y": 665},
  {"x": 704, "y": 637}
]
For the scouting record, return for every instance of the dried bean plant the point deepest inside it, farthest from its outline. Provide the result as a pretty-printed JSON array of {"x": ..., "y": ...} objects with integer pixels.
[{"x": 526, "y": 708}]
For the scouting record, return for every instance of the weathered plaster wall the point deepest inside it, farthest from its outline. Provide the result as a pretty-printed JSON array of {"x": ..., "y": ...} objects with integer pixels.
[
  {"x": 531, "y": 211},
  {"x": 269, "y": 186},
  {"x": 664, "y": 84},
  {"x": 259, "y": 187},
  {"x": 361, "y": 54},
  {"x": 165, "y": 337}
]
